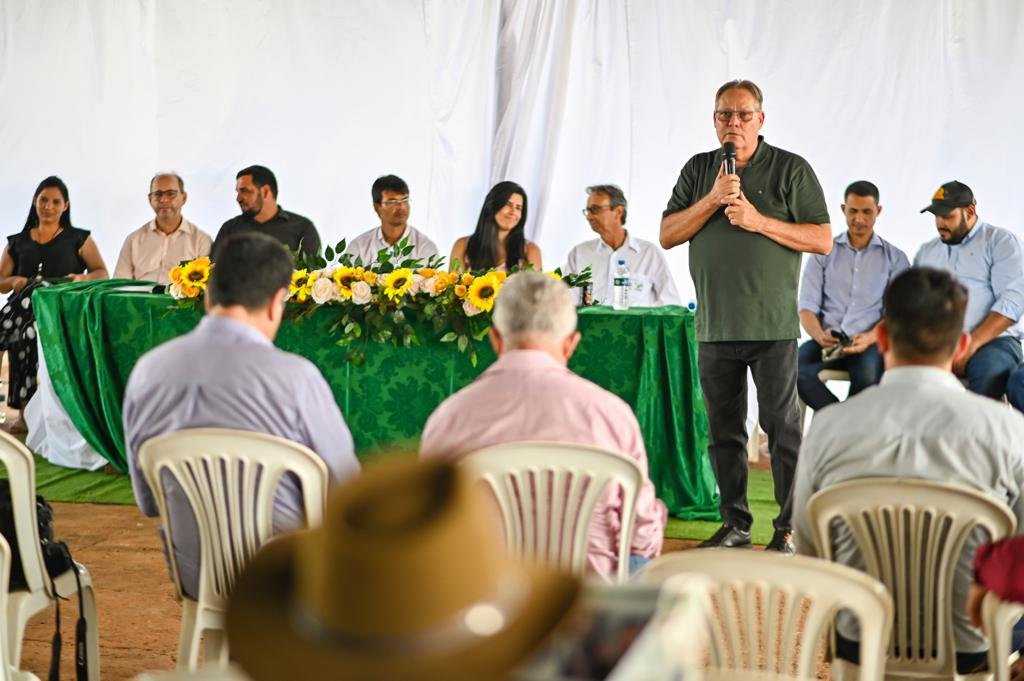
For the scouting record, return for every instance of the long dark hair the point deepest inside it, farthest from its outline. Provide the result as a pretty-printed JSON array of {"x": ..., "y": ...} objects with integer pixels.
[
  {"x": 33, "y": 217},
  {"x": 482, "y": 249}
]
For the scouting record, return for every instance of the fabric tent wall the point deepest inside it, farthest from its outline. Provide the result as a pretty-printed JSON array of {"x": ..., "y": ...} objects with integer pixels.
[{"x": 454, "y": 96}]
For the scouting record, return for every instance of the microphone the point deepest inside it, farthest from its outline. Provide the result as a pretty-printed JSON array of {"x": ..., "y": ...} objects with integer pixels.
[{"x": 729, "y": 152}]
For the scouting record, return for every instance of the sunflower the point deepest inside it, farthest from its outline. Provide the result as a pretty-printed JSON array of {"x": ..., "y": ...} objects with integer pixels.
[
  {"x": 196, "y": 273},
  {"x": 554, "y": 275},
  {"x": 176, "y": 275},
  {"x": 397, "y": 283},
  {"x": 344, "y": 277},
  {"x": 483, "y": 291},
  {"x": 300, "y": 287}
]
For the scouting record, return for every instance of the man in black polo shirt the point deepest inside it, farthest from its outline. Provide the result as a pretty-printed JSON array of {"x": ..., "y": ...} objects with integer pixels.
[
  {"x": 746, "y": 232},
  {"x": 256, "y": 189}
]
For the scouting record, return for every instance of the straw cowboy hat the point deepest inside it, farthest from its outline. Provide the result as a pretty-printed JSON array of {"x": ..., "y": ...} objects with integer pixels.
[{"x": 404, "y": 580}]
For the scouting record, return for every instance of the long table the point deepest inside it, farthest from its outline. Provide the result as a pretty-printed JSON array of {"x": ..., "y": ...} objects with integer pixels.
[{"x": 92, "y": 333}]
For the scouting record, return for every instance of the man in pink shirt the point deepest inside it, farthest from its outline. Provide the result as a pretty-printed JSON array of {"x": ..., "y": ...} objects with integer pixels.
[{"x": 530, "y": 394}]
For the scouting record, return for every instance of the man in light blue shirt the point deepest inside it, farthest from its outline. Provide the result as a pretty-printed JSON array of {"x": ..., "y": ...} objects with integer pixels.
[
  {"x": 227, "y": 374},
  {"x": 841, "y": 300},
  {"x": 989, "y": 262}
]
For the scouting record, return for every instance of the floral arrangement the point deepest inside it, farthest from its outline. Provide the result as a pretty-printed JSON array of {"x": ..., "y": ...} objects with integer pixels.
[{"x": 377, "y": 301}]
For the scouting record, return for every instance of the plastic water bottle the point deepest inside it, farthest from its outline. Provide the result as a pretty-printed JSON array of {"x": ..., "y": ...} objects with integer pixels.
[{"x": 620, "y": 287}]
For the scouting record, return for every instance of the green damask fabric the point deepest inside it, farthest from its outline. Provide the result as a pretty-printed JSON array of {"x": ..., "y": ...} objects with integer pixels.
[{"x": 92, "y": 335}]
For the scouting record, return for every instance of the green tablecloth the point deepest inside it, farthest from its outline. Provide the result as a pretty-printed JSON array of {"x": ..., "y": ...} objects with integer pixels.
[{"x": 92, "y": 335}]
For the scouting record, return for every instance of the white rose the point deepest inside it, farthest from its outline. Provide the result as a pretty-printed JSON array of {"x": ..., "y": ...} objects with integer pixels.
[
  {"x": 175, "y": 291},
  {"x": 416, "y": 285},
  {"x": 427, "y": 285},
  {"x": 470, "y": 309},
  {"x": 361, "y": 293},
  {"x": 323, "y": 291}
]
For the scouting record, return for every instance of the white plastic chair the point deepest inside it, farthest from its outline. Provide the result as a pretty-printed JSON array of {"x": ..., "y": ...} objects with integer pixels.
[
  {"x": 771, "y": 612},
  {"x": 999, "y": 616},
  {"x": 547, "y": 492},
  {"x": 23, "y": 604},
  {"x": 229, "y": 478},
  {"x": 910, "y": 534}
]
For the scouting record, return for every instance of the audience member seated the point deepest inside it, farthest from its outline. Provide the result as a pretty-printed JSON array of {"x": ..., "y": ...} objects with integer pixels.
[
  {"x": 535, "y": 396},
  {"x": 651, "y": 281},
  {"x": 841, "y": 300},
  {"x": 999, "y": 568},
  {"x": 228, "y": 374},
  {"x": 405, "y": 579},
  {"x": 256, "y": 193},
  {"x": 499, "y": 240},
  {"x": 150, "y": 252},
  {"x": 988, "y": 261},
  {"x": 919, "y": 422},
  {"x": 391, "y": 203},
  {"x": 47, "y": 248}
]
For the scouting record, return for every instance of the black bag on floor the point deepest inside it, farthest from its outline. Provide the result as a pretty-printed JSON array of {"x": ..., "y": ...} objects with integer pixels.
[{"x": 57, "y": 560}]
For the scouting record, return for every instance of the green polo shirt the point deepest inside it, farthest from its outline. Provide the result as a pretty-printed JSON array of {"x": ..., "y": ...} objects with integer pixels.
[{"x": 746, "y": 283}]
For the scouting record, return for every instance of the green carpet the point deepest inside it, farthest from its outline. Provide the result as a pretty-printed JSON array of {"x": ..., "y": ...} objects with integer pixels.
[
  {"x": 761, "y": 496},
  {"x": 57, "y": 483}
]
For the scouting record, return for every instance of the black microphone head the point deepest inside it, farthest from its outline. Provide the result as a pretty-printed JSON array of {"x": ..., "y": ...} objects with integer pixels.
[{"x": 729, "y": 149}]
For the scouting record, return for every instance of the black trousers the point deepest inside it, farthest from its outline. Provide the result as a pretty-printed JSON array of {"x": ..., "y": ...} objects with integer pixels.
[{"x": 723, "y": 379}]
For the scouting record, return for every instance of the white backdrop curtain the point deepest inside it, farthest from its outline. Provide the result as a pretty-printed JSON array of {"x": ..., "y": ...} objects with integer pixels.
[{"x": 456, "y": 95}]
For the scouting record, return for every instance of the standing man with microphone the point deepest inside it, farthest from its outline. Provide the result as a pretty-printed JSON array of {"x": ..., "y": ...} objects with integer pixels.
[{"x": 748, "y": 211}]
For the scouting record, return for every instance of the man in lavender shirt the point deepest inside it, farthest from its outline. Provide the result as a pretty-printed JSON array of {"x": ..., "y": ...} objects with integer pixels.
[
  {"x": 534, "y": 396},
  {"x": 227, "y": 374},
  {"x": 841, "y": 300}
]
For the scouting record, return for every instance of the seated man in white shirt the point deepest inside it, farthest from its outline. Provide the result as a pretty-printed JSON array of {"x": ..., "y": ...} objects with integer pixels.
[
  {"x": 150, "y": 252},
  {"x": 650, "y": 279},
  {"x": 537, "y": 397},
  {"x": 919, "y": 422},
  {"x": 391, "y": 203}
]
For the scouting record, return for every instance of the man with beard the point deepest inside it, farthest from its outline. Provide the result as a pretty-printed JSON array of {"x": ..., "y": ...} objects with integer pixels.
[
  {"x": 256, "y": 189},
  {"x": 989, "y": 262}
]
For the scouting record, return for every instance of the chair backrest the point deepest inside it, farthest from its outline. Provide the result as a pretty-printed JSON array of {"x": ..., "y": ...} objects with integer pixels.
[
  {"x": 769, "y": 612},
  {"x": 229, "y": 478},
  {"x": 21, "y": 473},
  {"x": 547, "y": 492},
  {"x": 910, "y": 534}
]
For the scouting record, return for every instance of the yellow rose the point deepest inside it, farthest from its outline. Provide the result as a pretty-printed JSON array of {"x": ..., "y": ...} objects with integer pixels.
[
  {"x": 460, "y": 290},
  {"x": 467, "y": 279},
  {"x": 370, "y": 278},
  {"x": 499, "y": 276},
  {"x": 426, "y": 272}
]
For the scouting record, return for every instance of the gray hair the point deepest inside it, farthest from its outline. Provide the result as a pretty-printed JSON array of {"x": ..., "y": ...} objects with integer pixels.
[
  {"x": 614, "y": 194},
  {"x": 176, "y": 176},
  {"x": 534, "y": 304}
]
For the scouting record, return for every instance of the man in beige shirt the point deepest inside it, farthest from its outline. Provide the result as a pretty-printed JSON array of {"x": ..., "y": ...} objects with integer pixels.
[{"x": 150, "y": 252}]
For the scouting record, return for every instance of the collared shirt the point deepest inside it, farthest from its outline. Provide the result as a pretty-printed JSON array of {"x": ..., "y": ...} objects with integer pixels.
[
  {"x": 990, "y": 264},
  {"x": 371, "y": 242},
  {"x": 919, "y": 422},
  {"x": 150, "y": 255},
  {"x": 291, "y": 229},
  {"x": 746, "y": 283},
  {"x": 226, "y": 374},
  {"x": 845, "y": 288},
  {"x": 650, "y": 280},
  {"x": 533, "y": 397}
]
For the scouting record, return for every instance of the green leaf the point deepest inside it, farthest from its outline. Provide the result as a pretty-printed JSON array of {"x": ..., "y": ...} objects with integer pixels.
[
  {"x": 463, "y": 343},
  {"x": 329, "y": 253},
  {"x": 481, "y": 334},
  {"x": 449, "y": 337},
  {"x": 472, "y": 358}
]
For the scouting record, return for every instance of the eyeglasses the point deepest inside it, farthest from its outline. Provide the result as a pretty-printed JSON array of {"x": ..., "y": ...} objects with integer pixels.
[
  {"x": 167, "y": 194},
  {"x": 391, "y": 203},
  {"x": 724, "y": 116},
  {"x": 595, "y": 209}
]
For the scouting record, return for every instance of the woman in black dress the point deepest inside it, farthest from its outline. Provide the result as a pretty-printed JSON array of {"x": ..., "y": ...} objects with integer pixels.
[
  {"x": 48, "y": 247},
  {"x": 499, "y": 240}
]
